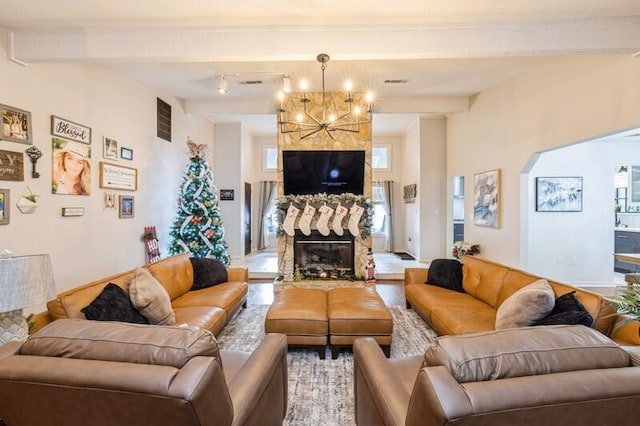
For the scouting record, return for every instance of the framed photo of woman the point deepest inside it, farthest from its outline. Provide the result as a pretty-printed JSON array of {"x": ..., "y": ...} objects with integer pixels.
[
  {"x": 16, "y": 125},
  {"x": 71, "y": 172}
]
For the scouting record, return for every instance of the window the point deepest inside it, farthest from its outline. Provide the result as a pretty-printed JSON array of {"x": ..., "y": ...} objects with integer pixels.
[
  {"x": 379, "y": 217},
  {"x": 269, "y": 158},
  {"x": 381, "y": 157}
]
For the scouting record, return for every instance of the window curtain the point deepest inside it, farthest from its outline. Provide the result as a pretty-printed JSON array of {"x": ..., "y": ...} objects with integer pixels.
[
  {"x": 387, "y": 190},
  {"x": 267, "y": 194}
]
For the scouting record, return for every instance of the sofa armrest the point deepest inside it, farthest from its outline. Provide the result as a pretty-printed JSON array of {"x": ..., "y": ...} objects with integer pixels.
[
  {"x": 259, "y": 389},
  {"x": 10, "y": 348},
  {"x": 379, "y": 395},
  {"x": 238, "y": 274},
  {"x": 626, "y": 334},
  {"x": 38, "y": 320},
  {"x": 415, "y": 275}
]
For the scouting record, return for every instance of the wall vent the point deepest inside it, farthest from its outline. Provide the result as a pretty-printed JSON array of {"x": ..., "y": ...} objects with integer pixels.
[
  {"x": 163, "y": 126},
  {"x": 396, "y": 81},
  {"x": 250, "y": 82}
]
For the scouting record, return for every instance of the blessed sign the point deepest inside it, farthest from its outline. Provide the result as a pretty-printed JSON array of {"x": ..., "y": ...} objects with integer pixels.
[
  {"x": 70, "y": 130},
  {"x": 11, "y": 165}
]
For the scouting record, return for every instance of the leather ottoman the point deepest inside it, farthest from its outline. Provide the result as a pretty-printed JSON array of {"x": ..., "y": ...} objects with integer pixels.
[
  {"x": 355, "y": 313},
  {"x": 301, "y": 314}
]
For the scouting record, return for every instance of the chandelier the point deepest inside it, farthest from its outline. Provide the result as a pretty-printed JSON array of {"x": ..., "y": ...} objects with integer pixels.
[{"x": 306, "y": 123}]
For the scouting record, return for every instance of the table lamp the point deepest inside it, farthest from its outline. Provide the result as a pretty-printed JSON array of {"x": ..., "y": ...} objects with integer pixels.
[{"x": 24, "y": 281}]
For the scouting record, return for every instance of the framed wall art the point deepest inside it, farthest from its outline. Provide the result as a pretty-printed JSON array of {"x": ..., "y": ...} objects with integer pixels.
[
  {"x": 64, "y": 128},
  {"x": 11, "y": 165},
  {"x": 109, "y": 148},
  {"x": 113, "y": 176},
  {"x": 409, "y": 193},
  {"x": 226, "y": 194},
  {"x": 16, "y": 125},
  {"x": 71, "y": 167},
  {"x": 486, "y": 199},
  {"x": 558, "y": 194},
  {"x": 126, "y": 206},
  {"x": 126, "y": 153},
  {"x": 5, "y": 207}
]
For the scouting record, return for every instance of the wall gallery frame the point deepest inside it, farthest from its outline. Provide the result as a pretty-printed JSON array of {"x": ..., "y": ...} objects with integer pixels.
[
  {"x": 5, "y": 207},
  {"x": 126, "y": 153},
  {"x": 486, "y": 198},
  {"x": 126, "y": 207},
  {"x": 559, "y": 194},
  {"x": 64, "y": 128},
  {"x": 109, "y": 148},
  {"x": 16, "y": 125},
  {"x": 113, "y": 176}
]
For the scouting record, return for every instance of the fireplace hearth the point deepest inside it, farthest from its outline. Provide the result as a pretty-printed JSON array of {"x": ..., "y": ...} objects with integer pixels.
[{"x": 319, "y": 256}]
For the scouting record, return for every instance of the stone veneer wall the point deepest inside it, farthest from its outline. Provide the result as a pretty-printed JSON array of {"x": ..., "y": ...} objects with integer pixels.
[{"x": 322, "y": 141}]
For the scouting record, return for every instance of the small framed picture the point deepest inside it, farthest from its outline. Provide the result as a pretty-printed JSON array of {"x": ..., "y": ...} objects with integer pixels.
[
  {"x": 109, "y": 201},
  {"x": 126, "y": 206},
  {"x": 5, "y": 207},
  {"x": 110, "y": 148},
  {"x": 126, "y": 153},
  {"x": 559, "y": 194},
  {"x": 72, "y": 211},
  {"x": 16, "y": 125},
  {"x": 226, "y": 194}
]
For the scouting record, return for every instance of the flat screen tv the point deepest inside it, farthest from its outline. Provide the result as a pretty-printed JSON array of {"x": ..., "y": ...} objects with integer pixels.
[{"x": 314, "y": 172}]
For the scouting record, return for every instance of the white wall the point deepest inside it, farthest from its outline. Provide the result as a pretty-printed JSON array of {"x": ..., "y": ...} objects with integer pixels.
[
  {"x": 578, "y": 247},
  {"x": 97, "y": 244},
  {"x": 569, "y": 100},
  {"x": 227, "y": 173},
  {"x": 408, "y": 238}
]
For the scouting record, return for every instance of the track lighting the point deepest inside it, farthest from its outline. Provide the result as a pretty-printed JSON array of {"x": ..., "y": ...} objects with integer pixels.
[{"x": 223, "y": 84}]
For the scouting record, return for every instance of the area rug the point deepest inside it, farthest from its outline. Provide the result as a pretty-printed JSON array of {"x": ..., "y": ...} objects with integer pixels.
[{"x": 321, "y": 391}]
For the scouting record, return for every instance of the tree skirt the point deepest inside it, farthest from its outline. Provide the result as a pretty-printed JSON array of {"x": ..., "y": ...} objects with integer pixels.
[{"x": 321, "y": 391}]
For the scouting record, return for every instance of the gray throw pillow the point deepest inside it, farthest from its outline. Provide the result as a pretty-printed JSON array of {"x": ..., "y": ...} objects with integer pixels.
[
  {"x": 150, "y": 298},
  {"x": 527, "y": 305}
]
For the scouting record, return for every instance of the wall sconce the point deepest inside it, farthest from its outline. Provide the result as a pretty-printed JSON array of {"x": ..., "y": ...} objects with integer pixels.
[
  {"x": 25, "y": 281},
  {"x": 34, "y": 154}
]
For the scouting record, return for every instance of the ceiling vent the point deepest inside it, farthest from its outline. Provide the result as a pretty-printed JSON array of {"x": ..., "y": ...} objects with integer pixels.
[
  {"x": 250, "y": 82},
  {"x": 397, "y": 81}
]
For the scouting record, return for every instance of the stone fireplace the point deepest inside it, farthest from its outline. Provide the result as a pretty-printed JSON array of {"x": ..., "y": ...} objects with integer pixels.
[{"x": 346, "y": 254}]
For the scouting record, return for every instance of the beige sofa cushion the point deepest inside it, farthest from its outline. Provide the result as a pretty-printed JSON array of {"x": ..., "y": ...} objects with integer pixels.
[
  {"x": 526, "y": 306},
  {"x": 121, "y": 342},
  {"x": 150, "y": 298},
  {"x": 524, "y": 352}
]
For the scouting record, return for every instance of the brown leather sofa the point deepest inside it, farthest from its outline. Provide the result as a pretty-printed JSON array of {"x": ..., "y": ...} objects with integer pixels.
[
  {"x": 77, "y": 372},
  {"x": 487, "y": 285},
  {"x": 209, "y": 308},
  {"x": 545, "y": 375}
]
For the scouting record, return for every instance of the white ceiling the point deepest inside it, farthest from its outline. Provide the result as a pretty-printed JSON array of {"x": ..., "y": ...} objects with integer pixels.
[{"x": 446, "y": 50}]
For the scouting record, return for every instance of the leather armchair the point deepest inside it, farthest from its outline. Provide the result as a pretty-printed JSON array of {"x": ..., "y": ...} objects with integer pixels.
[
  {"x": 566, "y": 375},
  {"x": 76, "y": 372}
]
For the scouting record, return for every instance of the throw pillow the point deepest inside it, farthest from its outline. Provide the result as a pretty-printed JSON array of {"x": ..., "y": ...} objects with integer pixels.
[
  {"x": 150, "y": 298},
  {"x": 527, "y": 351},
  {"x": 207, "y": 272},
  {"x": 446, "y": 273},
  {"x": 567, "y": 310},
  {"x": 113, "y": 304},
  {"x": 526, "y": 306}
]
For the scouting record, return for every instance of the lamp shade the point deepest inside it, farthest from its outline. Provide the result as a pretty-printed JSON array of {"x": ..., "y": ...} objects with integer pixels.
[{"x": 25, "y": 281}]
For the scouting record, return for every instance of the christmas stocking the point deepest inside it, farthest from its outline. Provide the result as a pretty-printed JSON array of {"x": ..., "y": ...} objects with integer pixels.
[
  {"x": 292, "y": 213},
  {"x": 341, "y": 212},
  {"x": 354, "y": 219},
  {"x": 323, "y": 222},
  {"x": 305, "y": 220}
]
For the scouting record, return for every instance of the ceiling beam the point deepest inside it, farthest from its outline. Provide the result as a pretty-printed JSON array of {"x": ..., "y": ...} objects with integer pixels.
[{"x": 253, "y": 44}]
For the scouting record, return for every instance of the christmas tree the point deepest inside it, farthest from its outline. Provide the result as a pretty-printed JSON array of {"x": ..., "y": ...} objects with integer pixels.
[{"x": 198, "y": 227}]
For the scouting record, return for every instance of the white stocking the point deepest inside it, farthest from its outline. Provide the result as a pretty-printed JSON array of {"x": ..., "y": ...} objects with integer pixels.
[
  {"x": 305, "y": 219},
  {"x": 355, "y": 213},
  {"x": 323, "y": 222},
  {"x": 289, "y": 221},
  {"x": 341, "y": 212}
]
